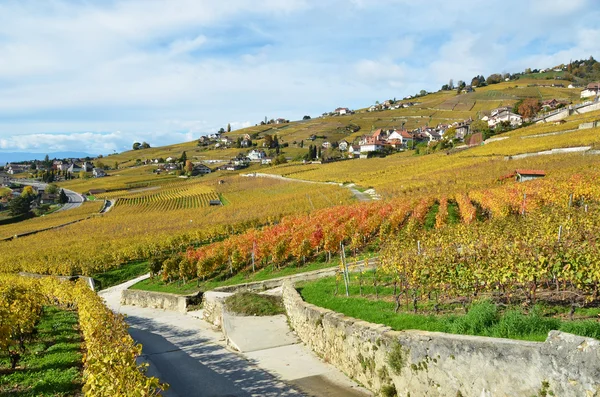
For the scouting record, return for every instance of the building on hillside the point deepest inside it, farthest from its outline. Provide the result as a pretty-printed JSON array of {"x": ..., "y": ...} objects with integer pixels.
[
  {"x": 13, "y": 169},
  {"x": 87, "y": 167},
  {"x": 257, "y": 155},
  {"x": 74, "y": 168},
  {"x": 371, "y": 145},
  {"x": 98, "y": 173},
  {"x": 326, "y": 145},
  {"x": 4, "y": 179},
  {"x": 505, "y": 116},
  {"x": 46, "y": 198},
  {"x": 354, "y": 151},
  {"x": 200, "y": 169},
  {"x": 528, "y": 175},
  {"x": 592, "y": 89},
  {"x": 281, "y": 121},
  {"x": 342, "y": 111},
  {"x": 462, "y": 128},
  {"x": 343, "y": 145}
]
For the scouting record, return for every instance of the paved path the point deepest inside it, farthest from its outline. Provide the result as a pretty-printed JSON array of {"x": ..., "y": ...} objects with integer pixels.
[
  {"x": 360, "y": 196},
  {"x": 191, "y": 356}
]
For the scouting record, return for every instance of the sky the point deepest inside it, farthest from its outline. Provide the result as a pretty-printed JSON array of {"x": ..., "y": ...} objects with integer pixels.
[{"x": 96, "y": 76}]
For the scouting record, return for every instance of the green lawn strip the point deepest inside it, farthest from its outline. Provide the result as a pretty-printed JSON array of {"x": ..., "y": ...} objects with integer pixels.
[
  {"x": 52, "y": 363},
  {"x": 157, "y": 285},
  {"x": 224, "y": 201},
  {"x": 430, "y": 217},
  {"x": 453, "y": 214},
  {"x": 251, "y": 304},
  {"x": 121, "y": 274},
  {"x": 483, "y": 318}
]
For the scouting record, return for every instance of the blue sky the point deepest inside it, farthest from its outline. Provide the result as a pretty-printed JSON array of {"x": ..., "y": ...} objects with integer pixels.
[{"x": 95, "y": 76}]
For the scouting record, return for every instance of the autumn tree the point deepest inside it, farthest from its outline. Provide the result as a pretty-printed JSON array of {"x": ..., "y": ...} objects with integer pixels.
[
  {"x": 189, "y": 166},
  {"x": 529, "y": 108}
]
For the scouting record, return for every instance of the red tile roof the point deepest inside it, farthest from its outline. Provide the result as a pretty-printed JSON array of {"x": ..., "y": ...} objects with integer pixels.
[{"x": 530, "y": 172}]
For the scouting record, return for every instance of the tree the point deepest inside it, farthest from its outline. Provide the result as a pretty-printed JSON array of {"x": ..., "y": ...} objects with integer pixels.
[
  {"x": 280, "y": 160},
  {"x": 19, "y": 205},
  {"x": 529, "y": 108},
  {"x": 494, "y": 79},
  {"x": 183, "y": 157},
  {"x": 47, "y": 163},
  {"x": 422, "y": 92},
  {"x": 479, "y": 126},
  {"x": 136, "y": 145},
  {"x": 52, "y": 189},
  {"x": 450, "y": 134},
  {"x": 28, "y": 192},
  {"x": 451, "y": 84},
  {"x": 268, "y": 140},
  {"x": 307, "y": 117},
  {"x": 475, "y": 81},
  {"x": 145, "y": 145},
  {"x": 189, "y": 166},
  {"x": 82, "y": 174},
  {"x": 62, "y": 197},
  {"x": 228, "y": 127},
  {"x": 221, "y": 130}
]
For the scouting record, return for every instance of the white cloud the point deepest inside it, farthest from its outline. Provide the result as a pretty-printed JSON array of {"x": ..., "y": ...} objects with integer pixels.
[{"x": 170, "y": 70}]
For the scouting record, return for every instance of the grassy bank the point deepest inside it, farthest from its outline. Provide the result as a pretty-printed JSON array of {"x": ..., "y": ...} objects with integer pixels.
[
  {"x": 483, "y": 318},
  {"x": 120, "y": 275},
  {"x": 251, "y": 304},
  {"x": 51, "y": 363},
  {"x": 267, "y": 273}
]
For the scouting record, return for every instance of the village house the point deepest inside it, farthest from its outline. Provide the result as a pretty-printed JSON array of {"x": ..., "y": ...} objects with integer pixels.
[
  {"x": 326, "y": 145},
  {"x": 343, "y": 145},
  {"x": 200, "y": 169},
  {"x": 46, "y": 198},
  {"x": 342, "y": 111},
  {"x": 462, "y": 128},
  {"x": 266, "y": 161},
  {"x": 528, "y": 175},
  {"x": 354, "y": 150},
  {"x": 281, "y": 121},
  {"x": 98, "y": 173},
  {"x": 74, "y": 168},
  {"x": 4, "y": 179},
  {"x": 592, "y": 89},
  {"x": 257, "y": 155},
  {"x": 505, "y": 116}
]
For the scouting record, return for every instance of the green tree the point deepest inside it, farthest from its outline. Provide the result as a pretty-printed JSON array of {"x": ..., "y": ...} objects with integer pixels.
[
  {"x": 183, "y": 157},
  {"x": 228, "y": 127},
  {"x": 19, "y": 205},
  {"x": 52, "y": 189},
  {"x": 136, "y": 146},
  {"x": 145, "y": 145},
  {"x": 62, "y": 197}
]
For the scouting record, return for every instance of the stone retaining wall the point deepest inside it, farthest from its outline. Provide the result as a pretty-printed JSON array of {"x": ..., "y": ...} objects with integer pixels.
[
  {"x": 213, "y": 304},
  {"x": 155, "y": 300},
  {"x": 419, "y": 363},
  {"x": 258, "y": 286}
]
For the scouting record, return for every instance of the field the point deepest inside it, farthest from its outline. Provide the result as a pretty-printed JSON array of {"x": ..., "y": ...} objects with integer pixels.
[{"x": 135, "y": 231}]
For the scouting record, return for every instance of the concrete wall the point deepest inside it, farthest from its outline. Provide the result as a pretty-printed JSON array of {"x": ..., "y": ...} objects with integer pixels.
[
  {"x": 155, "y": 300},
  {"x": 420, "y": 363}
]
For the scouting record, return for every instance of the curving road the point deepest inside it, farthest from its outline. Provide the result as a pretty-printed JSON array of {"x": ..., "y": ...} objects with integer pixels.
[{"x": 75, "y": 199}]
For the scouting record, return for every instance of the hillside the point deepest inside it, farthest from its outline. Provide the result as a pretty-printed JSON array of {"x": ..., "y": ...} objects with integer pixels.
[{"x": 443, "y": 107}]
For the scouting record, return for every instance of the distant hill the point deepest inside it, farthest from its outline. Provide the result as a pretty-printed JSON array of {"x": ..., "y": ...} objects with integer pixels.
[
  {"x": 443, "y": 107},
  {"x": 6, "y": 157}
]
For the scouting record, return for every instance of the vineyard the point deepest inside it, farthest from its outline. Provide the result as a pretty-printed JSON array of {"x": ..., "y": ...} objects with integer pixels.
[
  {"x": 109, "y": 363},
  {"x": 84, "y": 211},
  {"x": 170, "y": 197},
  {"x": 130, "y": 232},
  {"x": 514, "y": 224}
]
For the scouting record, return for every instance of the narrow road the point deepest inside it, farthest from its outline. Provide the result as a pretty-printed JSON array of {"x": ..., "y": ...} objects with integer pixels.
[
  {"x": 75, "y": 199},
  {"x": 190, "y": 355},
  {"x": 360, "y": 196}
]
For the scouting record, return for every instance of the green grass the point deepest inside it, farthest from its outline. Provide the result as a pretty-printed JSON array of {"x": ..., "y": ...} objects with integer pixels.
[
  {"x": 430, "y": 217},
  {"x": 157, "y": 285},
  {"x": 52, "y": 363},
  {"x": 120, "y": 275},
  {"x": 484, "y": 318},
  {"x": 251, "y": 304},
  {"x": 453, "y": 214}
]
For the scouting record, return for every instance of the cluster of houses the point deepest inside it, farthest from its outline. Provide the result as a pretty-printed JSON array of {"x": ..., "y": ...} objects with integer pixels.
[
  {"x": 389, "y": 104},
  {"x": 59, "y": 166},
  {"x": 219, "y": 141},
  {"x": 242, "y": 161}
]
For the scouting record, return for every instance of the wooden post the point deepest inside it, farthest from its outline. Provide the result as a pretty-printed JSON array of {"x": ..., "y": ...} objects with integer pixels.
[
  {"x": 559, "y": 232},
  {"x": 419, "y": 247},
  {"x": 523, "y": 206},
  {"x": 344, "y": 269},
  {"x": 253, "y": 249}
]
